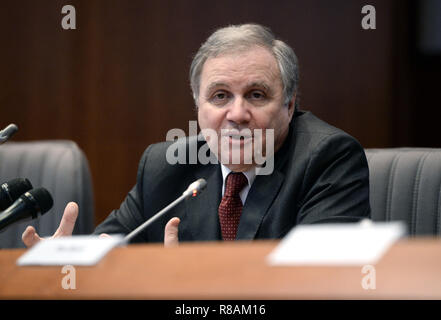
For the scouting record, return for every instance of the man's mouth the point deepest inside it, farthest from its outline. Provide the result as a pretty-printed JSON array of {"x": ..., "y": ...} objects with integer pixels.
[
  {"x": 238, "y": 138},
  {"x": 236, "y": 134}
]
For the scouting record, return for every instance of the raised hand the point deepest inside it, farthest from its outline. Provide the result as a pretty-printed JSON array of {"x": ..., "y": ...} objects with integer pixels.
[{"x": 30, "y": 236}]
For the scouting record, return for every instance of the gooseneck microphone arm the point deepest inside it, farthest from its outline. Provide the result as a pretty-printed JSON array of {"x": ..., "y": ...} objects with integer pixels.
[{"x": 193, "y": 190}]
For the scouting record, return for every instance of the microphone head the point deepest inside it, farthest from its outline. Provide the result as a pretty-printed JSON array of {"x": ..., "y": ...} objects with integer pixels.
[
  {"x": 201, "y": 184},
  {"x": 195, "y": 188},
  {"x": 12, "y": 190},
  {"x": 7, "y": 132},
  {"x": 41, "y": 200}
]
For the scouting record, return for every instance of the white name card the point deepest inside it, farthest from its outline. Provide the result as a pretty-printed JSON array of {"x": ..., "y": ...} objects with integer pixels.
[
  {"x": 74, "y": 250},
  {"x": 336, "y": 244}
]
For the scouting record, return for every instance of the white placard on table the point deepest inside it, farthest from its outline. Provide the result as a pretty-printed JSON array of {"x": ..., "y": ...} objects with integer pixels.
[
  {"x": 352, "y": 244},
  {"x": 73, "y": 250}
]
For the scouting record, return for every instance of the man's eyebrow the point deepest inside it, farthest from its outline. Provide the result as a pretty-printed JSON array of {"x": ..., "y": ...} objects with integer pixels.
[
  {"x": 213, "y": 85},
  {"x": 255, "y": 84},
  {"x": 259, "y": 84}
]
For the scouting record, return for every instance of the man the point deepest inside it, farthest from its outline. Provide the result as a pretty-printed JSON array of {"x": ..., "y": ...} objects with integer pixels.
[{"x": 244, "y": 80}]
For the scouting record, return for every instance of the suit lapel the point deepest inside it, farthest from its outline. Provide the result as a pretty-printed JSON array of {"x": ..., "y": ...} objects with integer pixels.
[
  {"x": 263, "y": 192},
  {"x": 259, "y": 200},
  {"x": 201, "y": 219}
]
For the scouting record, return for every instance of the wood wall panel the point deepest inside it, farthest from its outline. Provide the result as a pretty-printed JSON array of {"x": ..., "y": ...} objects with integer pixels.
[{"x": 120, "y": 81}]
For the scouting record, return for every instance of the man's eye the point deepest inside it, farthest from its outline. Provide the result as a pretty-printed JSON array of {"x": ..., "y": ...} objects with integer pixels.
[
  {"x": 219, "y": 97},
  {"x": 257, "y": 95}
]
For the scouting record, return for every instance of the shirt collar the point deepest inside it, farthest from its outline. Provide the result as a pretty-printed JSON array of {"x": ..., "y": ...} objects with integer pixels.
[{"x": 250, "y": 174}]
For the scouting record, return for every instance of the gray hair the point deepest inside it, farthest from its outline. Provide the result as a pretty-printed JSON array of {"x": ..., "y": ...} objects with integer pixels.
[{"x": 238, "y": 38}]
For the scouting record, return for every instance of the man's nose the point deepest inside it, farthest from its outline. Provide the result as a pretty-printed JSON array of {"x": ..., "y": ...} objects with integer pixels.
[{"x": 238, "y": 111}]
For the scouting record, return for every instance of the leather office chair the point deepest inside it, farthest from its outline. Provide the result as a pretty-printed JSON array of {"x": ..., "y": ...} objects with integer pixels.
[
  {"x": 405, "y": 185},
  {"x": 60, "y": 167}
]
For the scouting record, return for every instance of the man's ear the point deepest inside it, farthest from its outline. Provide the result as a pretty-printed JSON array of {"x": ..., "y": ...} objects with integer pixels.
[{"x": 291, "y": 107}]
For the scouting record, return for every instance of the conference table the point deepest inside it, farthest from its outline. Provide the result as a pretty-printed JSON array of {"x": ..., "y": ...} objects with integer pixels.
[{"x": 410, "y": 269}]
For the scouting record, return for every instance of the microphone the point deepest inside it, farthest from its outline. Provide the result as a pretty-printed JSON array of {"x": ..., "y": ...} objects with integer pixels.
[
  {"x": 195, "y": 188},
  {"x": 192, "y": 191},
  {"x": 29, "y": 206},
  {"x": 7, "y": 132},
  {"x": 11, "y": 190}
]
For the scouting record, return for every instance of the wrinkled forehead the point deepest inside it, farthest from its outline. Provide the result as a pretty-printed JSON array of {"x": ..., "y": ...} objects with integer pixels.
[{"x": 255, "y": 64}]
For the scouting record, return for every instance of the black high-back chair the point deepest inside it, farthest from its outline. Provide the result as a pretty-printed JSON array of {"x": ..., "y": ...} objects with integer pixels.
[
  {"x": 60, "y": 167},
  {"x": 405, "y": 184}
]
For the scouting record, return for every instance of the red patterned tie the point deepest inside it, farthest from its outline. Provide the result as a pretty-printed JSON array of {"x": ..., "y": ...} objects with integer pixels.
[{"x": 230, "y": 207}]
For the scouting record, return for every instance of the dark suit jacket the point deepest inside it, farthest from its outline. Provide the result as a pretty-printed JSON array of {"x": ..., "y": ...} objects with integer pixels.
[{"x": 320, "y": 175}]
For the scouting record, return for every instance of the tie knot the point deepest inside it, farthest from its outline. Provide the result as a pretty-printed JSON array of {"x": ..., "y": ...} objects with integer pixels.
[{"x": 236, "y": 181}]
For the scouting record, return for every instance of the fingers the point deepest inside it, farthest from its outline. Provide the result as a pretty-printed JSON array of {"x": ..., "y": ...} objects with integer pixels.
[
  {"x": 105, "y": 235},
  {"x": 67, "y": 223},
  {"x": 30, "y": 237},
  {"x": 171, "y": 232}
]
